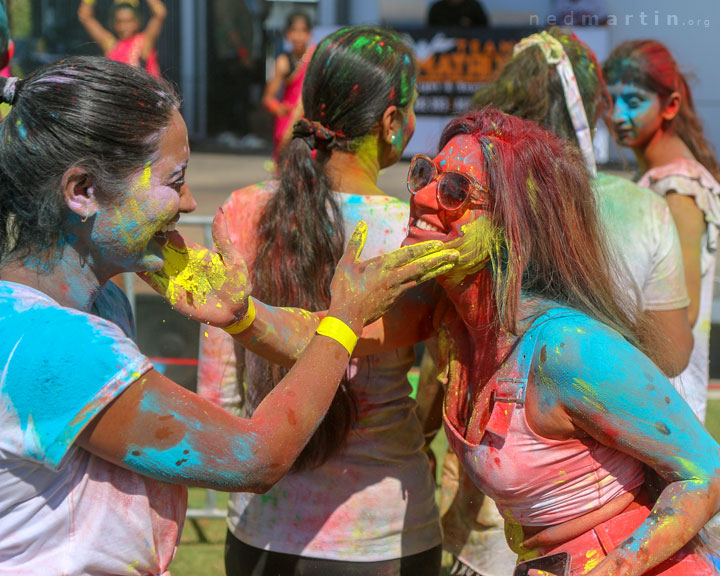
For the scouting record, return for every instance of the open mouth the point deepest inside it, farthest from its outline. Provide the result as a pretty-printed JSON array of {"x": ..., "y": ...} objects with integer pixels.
[
  {"x": 423, "y": 225},
  {"x": 169, "y": 227}
]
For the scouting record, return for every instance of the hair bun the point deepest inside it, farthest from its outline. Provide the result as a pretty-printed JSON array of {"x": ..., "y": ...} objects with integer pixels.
[{"x": 11, "y": 90}]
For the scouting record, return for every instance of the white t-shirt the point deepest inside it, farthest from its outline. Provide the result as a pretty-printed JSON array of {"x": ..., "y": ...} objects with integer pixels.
[
  {"x": 376, "y": 499},
  {"x": 690, "y": 178},
  {"x": 642, "y": 234},
  {"x": 63, "y": 510}
]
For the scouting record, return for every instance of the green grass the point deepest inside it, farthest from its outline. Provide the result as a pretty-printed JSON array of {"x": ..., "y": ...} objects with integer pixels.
[{"x": 195, "y": 558}]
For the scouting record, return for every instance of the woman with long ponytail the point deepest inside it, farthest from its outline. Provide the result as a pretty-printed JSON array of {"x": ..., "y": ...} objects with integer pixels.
[
  {"x": 654, "y": 115},
  {"x": 360, "y": 499}
]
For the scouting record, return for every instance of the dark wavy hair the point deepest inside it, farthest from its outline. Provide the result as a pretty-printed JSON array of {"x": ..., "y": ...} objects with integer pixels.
[
  {"x": 529, "y": 87},
  {"x": 649, "y": 64},
  {"x": 352, "y": 78},
  {"x": 87, "y": 111}
]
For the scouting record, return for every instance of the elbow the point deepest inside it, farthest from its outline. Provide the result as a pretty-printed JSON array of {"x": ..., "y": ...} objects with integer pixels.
[
  {"x": 675, "y": 356},
  {"x": 267, "y": 478}
]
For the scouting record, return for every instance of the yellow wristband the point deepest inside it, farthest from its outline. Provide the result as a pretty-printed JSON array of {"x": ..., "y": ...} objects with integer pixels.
[
  {"x": 244, "y": 323},
  {"x": 338, "y": 331}
]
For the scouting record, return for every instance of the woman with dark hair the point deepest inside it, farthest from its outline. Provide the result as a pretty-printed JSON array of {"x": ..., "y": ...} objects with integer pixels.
[
  {"x": 289, "y": 73},
  {"x": 554, "y": 79},
  {"x": 654, "y": 115},
  {"x": 360, "y": 499},
  {"x": 127, "y": 43},
  {"x": 96, "y": 447}
]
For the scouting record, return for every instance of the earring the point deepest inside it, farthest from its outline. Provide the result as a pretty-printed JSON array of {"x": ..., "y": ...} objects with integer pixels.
[
  {"x": 86, "y": 217},
  {"x": 393, "y": 139}
]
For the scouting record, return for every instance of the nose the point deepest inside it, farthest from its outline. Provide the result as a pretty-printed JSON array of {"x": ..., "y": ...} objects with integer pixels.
[
  {"x": 187, "y": 201},
  {"x": 619, "y": 114},
  {"x": 425, "y": 199}
]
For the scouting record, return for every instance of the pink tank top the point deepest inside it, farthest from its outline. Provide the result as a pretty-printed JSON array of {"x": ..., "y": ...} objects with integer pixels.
[
  {"x": 537, "y": 481},
  {"x": 129, "y": 51}
]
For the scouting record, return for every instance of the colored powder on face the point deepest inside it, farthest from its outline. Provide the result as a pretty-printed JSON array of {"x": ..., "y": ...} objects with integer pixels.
[
  {"x": 198, "y": 273},
  {"x": 480, "y": 243},
  {"x": 143, "y": 182}
]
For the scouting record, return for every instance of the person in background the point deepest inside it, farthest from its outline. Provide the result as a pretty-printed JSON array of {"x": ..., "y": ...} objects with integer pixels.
[
  {"x": 457, "y": 13},
  {"x": 288, "y": 77},
  {"x": 654, "y": 115},
  {"x": 360, "y": 500},
  {"x": 127, "y": 43},
  {"x": 231, "y": 73},
  {"x": 7, "y": 46}
]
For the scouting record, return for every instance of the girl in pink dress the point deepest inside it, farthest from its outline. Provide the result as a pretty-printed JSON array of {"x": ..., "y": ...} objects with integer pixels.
[
  {"x": 128, "y": 44},
  {"x": 289, "y": 74}
]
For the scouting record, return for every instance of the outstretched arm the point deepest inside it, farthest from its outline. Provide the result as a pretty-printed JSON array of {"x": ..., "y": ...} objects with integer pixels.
[
  {"x": 101, "y": 36},
  {"x": 612, "y": 392},
  {"x": 154, "y": 26},
  {"x": 281, "y": 334},
  {"x": 160, "y": 430}
]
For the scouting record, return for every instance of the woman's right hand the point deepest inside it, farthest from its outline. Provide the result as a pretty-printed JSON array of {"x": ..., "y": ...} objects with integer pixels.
[{"x": 363, "y": 290}]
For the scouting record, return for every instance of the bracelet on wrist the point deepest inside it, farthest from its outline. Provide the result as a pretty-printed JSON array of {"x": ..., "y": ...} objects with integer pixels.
[
  {"x": 338, "y": 331},
  {"x": 273, "y": 106},
  {"x": 245, "y": 322}
]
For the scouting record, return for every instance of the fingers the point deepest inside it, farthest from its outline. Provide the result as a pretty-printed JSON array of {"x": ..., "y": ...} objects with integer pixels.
[
  {"x": 428, "y": 266},
  {"x": 406, "y": 254},
  {"x": 357, "y": 242},
  {"x": 157, "y": 282},
  {"x": 221, "y": 237}
]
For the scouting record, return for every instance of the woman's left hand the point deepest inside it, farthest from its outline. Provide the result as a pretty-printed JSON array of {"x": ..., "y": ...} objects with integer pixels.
[{"x": 211, "y": 287}]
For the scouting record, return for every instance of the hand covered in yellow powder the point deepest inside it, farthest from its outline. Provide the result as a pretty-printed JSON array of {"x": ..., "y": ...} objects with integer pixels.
[
  {"x": 363, "y": 290},
  {"x": 479, "y": 245},
  {"x": 208, "y": 286}
]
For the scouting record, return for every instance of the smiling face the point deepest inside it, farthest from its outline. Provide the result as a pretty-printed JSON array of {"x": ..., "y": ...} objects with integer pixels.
[
  {"x": 636, "y": 114},
  {"x": 428, "y": 220},
  {"x": 129, "y": 234},
  {"x": 476, "y": 236}
]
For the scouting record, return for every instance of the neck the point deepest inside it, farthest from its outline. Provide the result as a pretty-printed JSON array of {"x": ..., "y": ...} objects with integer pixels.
[
  {"x": 355, "y": 173},
  {"x": 664, "y": 147},
  {"x": 473, "y": 299},
  {"x": 69, "y": 281}
]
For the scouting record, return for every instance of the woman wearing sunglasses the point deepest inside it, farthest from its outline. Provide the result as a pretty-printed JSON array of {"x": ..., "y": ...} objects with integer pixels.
[
  {"x": 360, "y": 499},
  {"x": 542, "y": 355},
  {"x": 551, "y": 404},
  {"x": 554, "y": 79}
]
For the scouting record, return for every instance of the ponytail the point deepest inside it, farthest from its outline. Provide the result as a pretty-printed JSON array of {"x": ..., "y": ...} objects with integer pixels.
[{"x": 351, "y": 79}]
